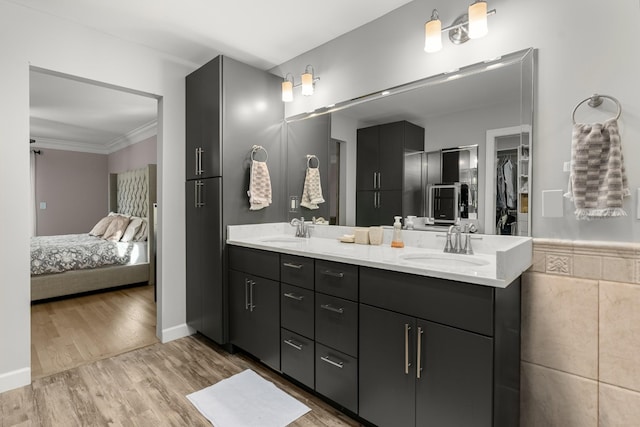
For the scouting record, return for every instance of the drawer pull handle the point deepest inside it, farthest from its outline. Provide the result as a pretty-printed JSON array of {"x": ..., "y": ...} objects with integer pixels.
[
  {"x": 331, "y": 362},
  {"x": 329, "y": 307},
  {"x": 293, "y": 344},
  {"x": 293, "y": 296},
  {"x": 290, "y": 265},
  {"x": 339, "y": 274}
]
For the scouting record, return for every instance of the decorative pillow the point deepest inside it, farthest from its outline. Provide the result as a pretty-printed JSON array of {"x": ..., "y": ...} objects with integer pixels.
[
  {"x": 132, "y": 229},
  {"x": 116, "y": 228},
  {"x": 141, "y": 235},
  {"x": 102, "y": 225}
]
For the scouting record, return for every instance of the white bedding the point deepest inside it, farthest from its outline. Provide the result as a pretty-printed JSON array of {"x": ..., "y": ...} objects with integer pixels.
[{"x": 138, "y": 252}]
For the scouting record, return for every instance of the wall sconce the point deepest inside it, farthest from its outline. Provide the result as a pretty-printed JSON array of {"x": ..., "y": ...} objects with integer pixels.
[
  {"x": 308, "y": 83},
  {"x": 470, "y": 25}
]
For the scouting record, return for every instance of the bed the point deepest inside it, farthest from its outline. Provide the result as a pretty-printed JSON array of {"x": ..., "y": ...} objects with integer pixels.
[{"x": 131, "y": 193}]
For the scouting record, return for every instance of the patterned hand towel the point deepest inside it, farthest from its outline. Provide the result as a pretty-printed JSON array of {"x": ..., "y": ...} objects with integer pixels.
[
  {"x": 312, "y": 192},
  {"x": 598, "y": 182},
  {"x": 259, "y": 186}
]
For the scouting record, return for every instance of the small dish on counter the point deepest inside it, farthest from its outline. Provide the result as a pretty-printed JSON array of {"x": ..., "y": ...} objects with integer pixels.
[{"x": 347, "y": 238}]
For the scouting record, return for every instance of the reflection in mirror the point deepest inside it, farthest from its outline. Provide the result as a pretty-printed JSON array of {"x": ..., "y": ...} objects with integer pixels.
[{"x": 455, "y": 109}]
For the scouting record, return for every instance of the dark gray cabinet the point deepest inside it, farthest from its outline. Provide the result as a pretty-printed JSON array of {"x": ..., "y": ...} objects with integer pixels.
[
  {"x": 382, "y": 158},
  {"x": 437, "y": 352},
  {"x": 254, "y": 305},
  {"x": 218, "y": 143},
  {"x": 204, "y": 257}
]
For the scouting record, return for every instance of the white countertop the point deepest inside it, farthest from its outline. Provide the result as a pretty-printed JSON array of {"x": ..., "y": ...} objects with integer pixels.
[{"x": 504, "y": 257}]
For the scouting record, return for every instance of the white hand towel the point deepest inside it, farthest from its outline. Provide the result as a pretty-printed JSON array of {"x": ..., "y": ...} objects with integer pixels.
[
  {"x": 312, "y": 192},
  {"x": 259, "y": 186},
  {"x": 598, "y": 180}
]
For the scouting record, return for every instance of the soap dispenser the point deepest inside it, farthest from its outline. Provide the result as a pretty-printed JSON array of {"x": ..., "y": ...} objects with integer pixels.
[{"x": 396, "y": 241}]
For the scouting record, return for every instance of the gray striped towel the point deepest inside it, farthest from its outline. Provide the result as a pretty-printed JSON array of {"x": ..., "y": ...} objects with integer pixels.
[{"x": 598, "y": 182}]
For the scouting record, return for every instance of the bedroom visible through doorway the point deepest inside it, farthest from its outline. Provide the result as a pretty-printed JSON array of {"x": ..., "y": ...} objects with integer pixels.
[{"x": 84, "y": 134}]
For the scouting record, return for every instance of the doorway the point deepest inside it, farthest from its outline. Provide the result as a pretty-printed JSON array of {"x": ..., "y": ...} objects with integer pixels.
[{"x": 79, "y": 125}]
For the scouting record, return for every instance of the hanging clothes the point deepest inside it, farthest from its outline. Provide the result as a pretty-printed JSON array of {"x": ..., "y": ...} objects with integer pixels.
[
  {"x": 501, "y": 196},
  {"x": 510, "y": 184}
]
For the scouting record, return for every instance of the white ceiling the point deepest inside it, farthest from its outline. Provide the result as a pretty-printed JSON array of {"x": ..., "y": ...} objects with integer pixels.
[{"x": 258, "y": 32}]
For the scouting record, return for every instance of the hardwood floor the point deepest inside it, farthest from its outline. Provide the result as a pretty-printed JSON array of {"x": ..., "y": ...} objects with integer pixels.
[
  {"x": 71, "y": 332},
  {"x": 144, "y": 387}
]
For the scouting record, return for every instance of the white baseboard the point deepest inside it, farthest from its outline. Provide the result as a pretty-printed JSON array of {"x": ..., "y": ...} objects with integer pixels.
[
  {"x": 176, "y": 332},
  {"x": 15, "y": 379}
]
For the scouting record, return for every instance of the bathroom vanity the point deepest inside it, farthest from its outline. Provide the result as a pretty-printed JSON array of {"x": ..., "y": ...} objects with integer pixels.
[{"x": 396, "y": 337}]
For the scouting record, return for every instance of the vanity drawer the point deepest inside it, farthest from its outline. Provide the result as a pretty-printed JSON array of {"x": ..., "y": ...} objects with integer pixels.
[
  {"x": 297, "y": 309},
  {"x": 337, "y": 323},
  {"x": 337, "y": 279},
  {"x": 296, "y": 270},
  {"x": 448, "y": 302},
  {"x": 254, "y": 261},
  {"x": 337, "y": 377},
  {"x": 297, "y": 354}
]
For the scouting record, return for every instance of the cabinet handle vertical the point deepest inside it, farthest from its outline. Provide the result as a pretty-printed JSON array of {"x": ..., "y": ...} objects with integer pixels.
[
  {"x": 199, "y": 169},
  {"x": 195, "y": 164},
  {"x": 378, "y": 194},
  {"x": 407, "y": 328},
  {"x": 374, "y": 180},
  {"x": 251, "y": 305},
  {"x": 419, "y": 355},
  {"x": 199, "y": 200},
  {"x": 379, "y": 180},
  {"x": 246, "y": 294}
]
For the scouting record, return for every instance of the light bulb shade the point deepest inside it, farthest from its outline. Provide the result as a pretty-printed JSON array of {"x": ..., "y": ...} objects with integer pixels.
[
  {"x": 307, "y": 84},
  {"x": 478, "y": 20},
  {"x": 433, "y": 36},
  {"x": 287, "y": 91}
]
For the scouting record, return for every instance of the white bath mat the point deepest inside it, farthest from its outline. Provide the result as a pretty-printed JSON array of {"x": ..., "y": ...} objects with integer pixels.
[{"x": 246, "y": 399}]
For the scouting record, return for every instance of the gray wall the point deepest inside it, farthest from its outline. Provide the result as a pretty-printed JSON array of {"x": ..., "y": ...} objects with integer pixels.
[{"x": 389, "y": 51}]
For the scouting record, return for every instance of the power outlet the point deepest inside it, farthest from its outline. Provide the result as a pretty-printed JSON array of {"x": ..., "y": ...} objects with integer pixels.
[{"x": 566, "y": 167}]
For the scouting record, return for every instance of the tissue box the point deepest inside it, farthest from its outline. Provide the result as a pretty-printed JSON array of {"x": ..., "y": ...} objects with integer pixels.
[{"x": 362, "y": 235}]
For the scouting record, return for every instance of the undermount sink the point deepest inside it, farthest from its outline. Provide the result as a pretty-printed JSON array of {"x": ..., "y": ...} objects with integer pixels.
[{"x": 445, "y": 260}]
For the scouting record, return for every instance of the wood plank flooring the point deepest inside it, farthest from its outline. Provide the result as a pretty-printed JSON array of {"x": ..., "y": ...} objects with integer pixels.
[
  {"x": 70, "y": 332},
  {"x": 145, "y": 387}
]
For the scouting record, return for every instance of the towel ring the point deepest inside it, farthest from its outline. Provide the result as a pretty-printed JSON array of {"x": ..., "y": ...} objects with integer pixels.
[
  {"x": 594, "y": 101},
  {"x": 311, "y": 157},
  {"x": 255, "y": 149}
]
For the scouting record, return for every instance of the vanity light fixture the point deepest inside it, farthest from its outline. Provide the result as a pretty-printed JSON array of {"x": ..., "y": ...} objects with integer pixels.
[
  {"x": 308, "y": 82},
  {"x": 470, "y": 25}
]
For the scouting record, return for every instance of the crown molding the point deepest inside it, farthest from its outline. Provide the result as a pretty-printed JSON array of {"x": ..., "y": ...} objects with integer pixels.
[{"x": 140, "y": 134}]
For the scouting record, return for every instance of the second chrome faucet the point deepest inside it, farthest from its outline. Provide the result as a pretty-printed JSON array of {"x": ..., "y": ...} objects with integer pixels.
[{"x": 456, "y": 246}]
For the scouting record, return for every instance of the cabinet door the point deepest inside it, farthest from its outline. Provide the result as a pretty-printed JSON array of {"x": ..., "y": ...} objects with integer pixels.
[
  {"x": 387, "y": 367},
  {"x": 391, "y": 156},
  {"x": 366, "y": 208},
  {"x": 254, "y": 316},
  {"x": 389, "y": 205},
  {"x": 204, "y": 258},
  {"x": 367, "y": 158},
  {"x": 455, "y": 384},
  {"x": 202, "y": 121}
]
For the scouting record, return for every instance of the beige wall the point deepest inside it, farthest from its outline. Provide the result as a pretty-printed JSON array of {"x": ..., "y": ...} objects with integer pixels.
[
  {"x": 134, "y": 156},
  {"x": 581, "y": 335}
]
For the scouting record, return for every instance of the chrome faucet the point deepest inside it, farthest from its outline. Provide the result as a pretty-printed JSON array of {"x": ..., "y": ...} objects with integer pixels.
[
  {"x": 456, "y": 247},
  {"x": 302, "y": 229},
  {"x": 450, "y": 247}
]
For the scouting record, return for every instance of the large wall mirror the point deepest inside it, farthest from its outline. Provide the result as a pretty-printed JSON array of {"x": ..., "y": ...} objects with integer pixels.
[{"x": 487, "y": 107}]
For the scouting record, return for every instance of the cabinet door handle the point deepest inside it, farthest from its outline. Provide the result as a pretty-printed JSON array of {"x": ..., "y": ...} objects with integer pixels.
[
  {"x": 407, "y": 328},
  {"x": 251, "y": 305},
  {"x": 374, "y": 180},
  {"x": 197, "y": 160},
  {"x": 329, "y": 307},
  {"x": 419, "y": 355},
  {"x": 293, "y": 344},
  {"x": 294, "y": 296},
  {"x": 199, "y": 170},
  {"x": 378, "y": 194},
  {"x": 199, "y": 200},
  {"x": 246, "y": 294},
  {"x": 379, "y": 180},
  {"x": 332, "y": 362},
  {"x": 338, "y": 274},
  {"x": 290, "y": 265}
]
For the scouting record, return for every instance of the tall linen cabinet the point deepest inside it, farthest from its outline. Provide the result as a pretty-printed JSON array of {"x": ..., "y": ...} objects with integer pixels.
[{"x": 230, "y": 106}]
